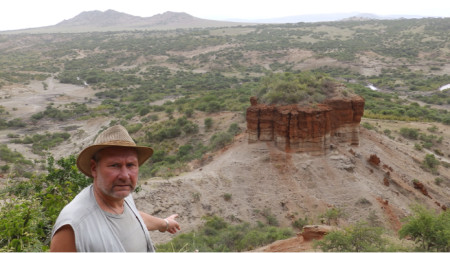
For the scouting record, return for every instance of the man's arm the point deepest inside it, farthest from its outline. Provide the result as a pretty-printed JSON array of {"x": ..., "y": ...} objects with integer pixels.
[
  {"x": 63, "y": 240},
  {"x": 154, "y": 223}
]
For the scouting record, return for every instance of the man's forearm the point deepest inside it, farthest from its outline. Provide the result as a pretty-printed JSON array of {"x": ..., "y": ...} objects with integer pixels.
[
  {"x": 153, "y": 223},
  {"x": 168, "y": 224}
]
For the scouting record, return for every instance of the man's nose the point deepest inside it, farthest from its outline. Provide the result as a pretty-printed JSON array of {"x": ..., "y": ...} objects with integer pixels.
[{"x": 124, "y": 173}]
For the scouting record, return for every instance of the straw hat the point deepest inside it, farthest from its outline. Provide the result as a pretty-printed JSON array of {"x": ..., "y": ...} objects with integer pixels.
[{"x": 115, "y": 136}]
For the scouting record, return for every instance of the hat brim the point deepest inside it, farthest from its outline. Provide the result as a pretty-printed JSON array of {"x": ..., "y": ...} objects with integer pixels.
[{"x": 84, "y": 159}]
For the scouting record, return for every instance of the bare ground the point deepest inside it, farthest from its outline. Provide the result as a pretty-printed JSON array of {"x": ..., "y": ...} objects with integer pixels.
[
  {"x": 22, "y": 101},
  {"x": 259, "y": 176}
]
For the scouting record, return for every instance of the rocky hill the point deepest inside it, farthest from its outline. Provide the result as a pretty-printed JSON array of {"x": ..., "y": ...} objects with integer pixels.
[{"x": 111, "y": 20}]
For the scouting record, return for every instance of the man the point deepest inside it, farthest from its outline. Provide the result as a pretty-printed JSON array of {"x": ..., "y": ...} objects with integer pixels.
[{"x": 103, "y": 216}]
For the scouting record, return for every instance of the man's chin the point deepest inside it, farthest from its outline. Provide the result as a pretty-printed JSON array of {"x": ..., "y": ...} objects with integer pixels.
[{"x": 122, "y": 191}]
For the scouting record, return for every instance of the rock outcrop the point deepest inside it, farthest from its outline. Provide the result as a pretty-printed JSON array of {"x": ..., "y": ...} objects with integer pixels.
[
  {"x": 315, "y": 232},
  {"x": 297, "y": 128}
]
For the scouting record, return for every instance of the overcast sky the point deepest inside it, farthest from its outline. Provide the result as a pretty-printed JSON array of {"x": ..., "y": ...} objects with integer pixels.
[{"x": 18, "y": 14}]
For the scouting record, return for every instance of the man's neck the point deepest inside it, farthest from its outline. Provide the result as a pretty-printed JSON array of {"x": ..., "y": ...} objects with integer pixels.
[{"x": 108, "y": 204}]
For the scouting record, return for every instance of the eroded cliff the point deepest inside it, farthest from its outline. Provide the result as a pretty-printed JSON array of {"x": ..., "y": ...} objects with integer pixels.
[{"x": 296, "y": 128}]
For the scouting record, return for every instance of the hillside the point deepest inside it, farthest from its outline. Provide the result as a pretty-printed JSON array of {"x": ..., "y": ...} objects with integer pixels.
[
  {"x": 296, "y": 185},
  {"x": 185, "y": 92}
]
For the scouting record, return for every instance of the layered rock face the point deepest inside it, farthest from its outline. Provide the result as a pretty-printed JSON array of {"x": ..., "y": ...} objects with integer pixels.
[{"x": 306, "y": 129}]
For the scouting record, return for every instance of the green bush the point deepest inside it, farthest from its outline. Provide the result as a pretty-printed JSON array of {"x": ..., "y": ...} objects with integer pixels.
[
  {"x": 208, "y": 123},
  {"x": 368, "y": 126},
  {"x": 409, "y": 133},
  {"x": 360, "y": 237},
  {"x": 332, "y": 215},
  {"x": 431, "y": 163},
  {"x": 429, "y": 230},
  {"x": 12, "y": 157},
  {"x": 42, "y": 142},
  {"x": 220, "y": 140},
  {"x": 216, "y": 235},
  {"x": 290, "y": 88},
  {"x": 133, "y": 128},
  {"x": 32, "y": 206},
  {"x": 227, "y": 196},
  {"x": 300, "y": 223}
]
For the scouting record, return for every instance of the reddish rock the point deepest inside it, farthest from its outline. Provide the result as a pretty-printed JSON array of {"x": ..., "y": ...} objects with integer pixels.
[
  {"x": 386, "y": 181},
  {"x": 306, "y": 129},
  {"x": 374, "y": 160},
  {"x": 420, "y": 186},
  {"x": 315, "y": 232},
  {"x": 253, "y": 101}
]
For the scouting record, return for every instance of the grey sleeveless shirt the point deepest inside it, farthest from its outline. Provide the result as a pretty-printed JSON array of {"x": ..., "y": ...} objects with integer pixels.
[{"x": 92, "y": 226}]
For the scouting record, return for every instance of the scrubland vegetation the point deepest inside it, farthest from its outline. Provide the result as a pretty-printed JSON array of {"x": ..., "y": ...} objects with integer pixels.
[{"x": 206, "y": 72}]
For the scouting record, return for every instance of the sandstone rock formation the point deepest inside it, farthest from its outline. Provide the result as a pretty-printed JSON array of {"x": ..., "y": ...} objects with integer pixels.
[
  {"x": 297, "y": 128},
  {"x": 316, "y": 232}
]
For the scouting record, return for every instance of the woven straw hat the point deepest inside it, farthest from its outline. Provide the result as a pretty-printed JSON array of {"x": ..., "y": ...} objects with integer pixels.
[{"x": 115, "y": 136}]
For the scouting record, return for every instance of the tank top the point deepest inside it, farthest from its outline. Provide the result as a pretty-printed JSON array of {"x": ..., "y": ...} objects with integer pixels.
[{"x": 97, "y": 230}]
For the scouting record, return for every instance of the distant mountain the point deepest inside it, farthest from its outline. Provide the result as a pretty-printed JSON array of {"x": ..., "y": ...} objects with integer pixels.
[
  {"x": 101, "y": 19},
  {"x": 111, "y": 20},
  {"x": 325, "y": 17}
]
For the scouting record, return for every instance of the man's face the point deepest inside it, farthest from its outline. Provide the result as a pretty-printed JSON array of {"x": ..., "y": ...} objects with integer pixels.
[{"x": 116, "y": 171}]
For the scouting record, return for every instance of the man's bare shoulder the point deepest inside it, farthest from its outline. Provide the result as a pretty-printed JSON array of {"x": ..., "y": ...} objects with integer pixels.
[{"x": 63, "y": 240}]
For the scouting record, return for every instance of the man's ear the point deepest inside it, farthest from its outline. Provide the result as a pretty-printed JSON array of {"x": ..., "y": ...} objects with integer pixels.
[{"x": 93, "y": 168}]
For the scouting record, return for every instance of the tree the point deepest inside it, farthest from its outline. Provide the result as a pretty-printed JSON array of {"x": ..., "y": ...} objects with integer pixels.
[
  {"x": 431, "y": 231},
  {"x": 31, "y": 207}
]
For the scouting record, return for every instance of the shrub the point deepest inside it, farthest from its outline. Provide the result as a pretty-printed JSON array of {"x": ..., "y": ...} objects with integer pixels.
[
  {"x": 433, "y": 129},
  {"x": 289, "y": 88},
  {"x": 12, "y": 157},
  {"x": 429, "y": 230},
  {"x": 233, "y": 129},
  {"x": 438, "y": 181},
  {"x": 217, "y": 235},
  {"x": 417, "y": 146},
  {"x": 208, "y": 123},
  {"x": 42, "y": 142},
  {"x": 219, "y": 140},
  {"x": 32, "y": 206},
  {"x": 227, "y": 196},
  {"x": 189, "y": 112},
  {"x": 431, "y": 163},
  {"x": 409, "y": 133},
  {"x": 300, "y": 223},
  {"x": 133, "y": 128},
  {"x": 368, "y": 126},
  {"x": 355, "y": 238},
  {"x": 332, "y": 215}
]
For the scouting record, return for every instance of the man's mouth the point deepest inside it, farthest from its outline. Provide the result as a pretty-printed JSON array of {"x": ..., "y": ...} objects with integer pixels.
[{"x": 122, "y": 186}]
